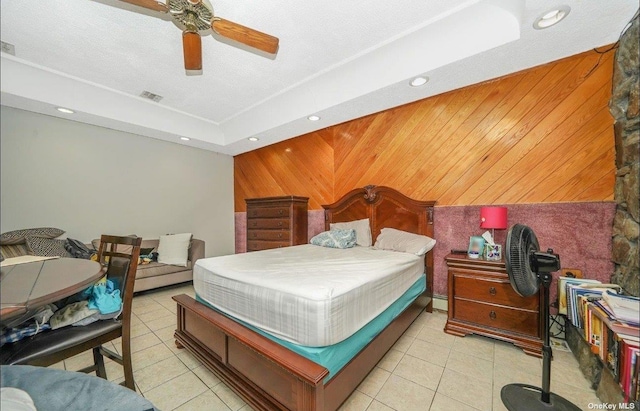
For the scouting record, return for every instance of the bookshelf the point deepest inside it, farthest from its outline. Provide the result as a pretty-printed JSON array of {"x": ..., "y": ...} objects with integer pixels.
[{"x": 605, "y": 338}]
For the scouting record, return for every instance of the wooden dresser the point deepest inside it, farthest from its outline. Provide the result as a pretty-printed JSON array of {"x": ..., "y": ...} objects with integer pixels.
[
  {"x": 274, "y": 222},
  {"x": 482, "y": 301}
]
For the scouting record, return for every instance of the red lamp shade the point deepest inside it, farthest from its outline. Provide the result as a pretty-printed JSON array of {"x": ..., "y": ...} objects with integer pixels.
[{"x": 493, "y": 217}]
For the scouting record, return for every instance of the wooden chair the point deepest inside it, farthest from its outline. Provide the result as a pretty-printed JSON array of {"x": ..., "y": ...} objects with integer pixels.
[{"x": 120, "y": 255}]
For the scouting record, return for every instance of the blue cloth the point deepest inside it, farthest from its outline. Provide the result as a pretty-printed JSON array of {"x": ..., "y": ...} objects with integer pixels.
[
  {"x": 25, "y": 330},
  {"x": 334, "y": 357},
  {"x": 60, "y": 390},
  {"x": 105, "y": 297}
]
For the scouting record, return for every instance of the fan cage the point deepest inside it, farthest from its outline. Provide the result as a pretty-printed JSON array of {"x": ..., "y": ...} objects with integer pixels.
[{"x": 522, "y": 243}]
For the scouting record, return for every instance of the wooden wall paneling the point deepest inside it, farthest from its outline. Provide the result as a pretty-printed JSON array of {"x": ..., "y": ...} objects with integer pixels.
[
  {"x": 409, "y": 143},
  {"x": 426, "y": 167},
  {"x": 555, "y": 155},
  {"x": 604, "y": 184},
  {"x": 546, "y": 106},
  {"x": 527, "y": 137},
  {"x": 251, "y": 180},
  {"x": 467, "y": 143},
  {"x": 403, "y": 143},
  {"x": 569, "y": 167},
  {"x": 302, "y": 167},
  {"x": 346, "y": 135},
  {"x": 393, "y": 169},
  {"x": 498, "y": 128},
  {"x": 368, "y": 148},
  {"x": 573, "y": 186}
]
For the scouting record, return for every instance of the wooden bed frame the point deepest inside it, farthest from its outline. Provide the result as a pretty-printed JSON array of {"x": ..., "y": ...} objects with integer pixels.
[{"x": 269, "y": 376}]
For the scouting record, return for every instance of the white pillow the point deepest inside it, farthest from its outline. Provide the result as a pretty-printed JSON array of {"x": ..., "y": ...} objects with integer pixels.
[
  {"x": 398, "y": 240},
  {"x": 363, "y": 230},
  {"x": 174, "y": 249}
]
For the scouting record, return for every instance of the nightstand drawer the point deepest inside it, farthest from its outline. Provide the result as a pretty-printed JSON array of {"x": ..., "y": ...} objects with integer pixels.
[
  {"x": 277, "y": 235},
  {"x": 269, "y": 223},
  {"x": 492, "y": 291},
  {"x": 256, "y": 245},
  {"x": 268, "y": 212},
  {"x": 495, "y": 316}
]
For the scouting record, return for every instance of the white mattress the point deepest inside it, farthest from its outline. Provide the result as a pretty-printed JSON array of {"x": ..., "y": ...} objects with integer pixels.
[{"x": 308, "y": 295}]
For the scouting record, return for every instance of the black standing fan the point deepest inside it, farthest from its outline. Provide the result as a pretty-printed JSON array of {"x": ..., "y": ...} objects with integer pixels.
[{"x": 528, "y": 268}]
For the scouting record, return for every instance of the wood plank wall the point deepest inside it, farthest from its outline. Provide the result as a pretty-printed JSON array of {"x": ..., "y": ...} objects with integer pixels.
[{"x": 542, "y": 135}]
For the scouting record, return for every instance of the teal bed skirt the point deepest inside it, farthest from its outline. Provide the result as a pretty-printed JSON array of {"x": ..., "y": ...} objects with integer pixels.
[{"x": 334, "y": 357}]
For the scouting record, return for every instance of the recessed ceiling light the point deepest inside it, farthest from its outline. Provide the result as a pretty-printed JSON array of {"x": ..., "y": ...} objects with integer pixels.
[
  {"x": 185, "y": 138},
  {"x": 419, "y": 81},
  {"x": 65, "y": 110},
  {"x": 551, "y": 17},
  {"x": 253, "y": 139},
  {"x": 313, "y": 118}
]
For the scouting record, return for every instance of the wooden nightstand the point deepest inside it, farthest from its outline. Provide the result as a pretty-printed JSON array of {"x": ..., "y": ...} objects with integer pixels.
[
  {"x": 482, "y": 301},
  {"x": 274, "y": 222}
]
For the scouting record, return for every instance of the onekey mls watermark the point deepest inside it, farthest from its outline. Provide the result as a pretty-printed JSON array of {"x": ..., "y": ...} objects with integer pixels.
[{"x": 612, "y": 406}]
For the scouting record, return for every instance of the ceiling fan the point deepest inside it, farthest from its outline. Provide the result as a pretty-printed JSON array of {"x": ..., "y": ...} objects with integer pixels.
[{"x": 196, "y": 16}]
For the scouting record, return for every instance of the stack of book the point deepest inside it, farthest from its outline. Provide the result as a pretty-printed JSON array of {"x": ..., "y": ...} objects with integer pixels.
[{"x": 611, "y": 325}]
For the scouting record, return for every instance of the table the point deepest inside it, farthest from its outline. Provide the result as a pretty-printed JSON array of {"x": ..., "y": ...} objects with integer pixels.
[{"x": 27, "y": 286}]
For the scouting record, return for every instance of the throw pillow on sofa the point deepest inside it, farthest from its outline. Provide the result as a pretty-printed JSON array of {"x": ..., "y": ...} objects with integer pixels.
[
  {"x": 46, "y": 247},
  {"x": 173, "y": 249},
  {"x": 19, "y": 236}
]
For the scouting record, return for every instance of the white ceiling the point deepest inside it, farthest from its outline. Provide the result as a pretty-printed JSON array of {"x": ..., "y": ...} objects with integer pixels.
[{"x": 338, "y": 59}]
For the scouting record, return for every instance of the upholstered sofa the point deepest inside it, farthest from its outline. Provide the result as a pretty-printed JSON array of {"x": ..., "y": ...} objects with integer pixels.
[
  {"x": 153, "y": 274},
  {"x": 148, "y": 276}
]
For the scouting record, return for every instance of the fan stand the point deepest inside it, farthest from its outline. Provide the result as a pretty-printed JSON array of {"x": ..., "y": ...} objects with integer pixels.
[{"x": 524, "y": 397}]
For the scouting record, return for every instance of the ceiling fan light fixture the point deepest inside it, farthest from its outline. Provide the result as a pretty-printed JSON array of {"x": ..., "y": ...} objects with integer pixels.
[
  {"x": 551, "y": 17},
  {"x": 65, "y": 110},
  {"x": 419, "y": 81},
  {"x": 313, "y": 117}
]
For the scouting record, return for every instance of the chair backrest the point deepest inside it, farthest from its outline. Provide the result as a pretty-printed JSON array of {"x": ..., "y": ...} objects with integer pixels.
[{"x": 120, "y": 256}]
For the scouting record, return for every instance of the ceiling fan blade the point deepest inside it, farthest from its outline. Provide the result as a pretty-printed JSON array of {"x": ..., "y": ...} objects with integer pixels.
[
  {"x": 192, "y": 48},
  {"x": 245, "y": 35},
  {"x": 149, "y": 4}
]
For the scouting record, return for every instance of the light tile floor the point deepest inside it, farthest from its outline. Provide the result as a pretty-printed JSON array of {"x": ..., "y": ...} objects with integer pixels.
[{"x": 425, "y": 370}]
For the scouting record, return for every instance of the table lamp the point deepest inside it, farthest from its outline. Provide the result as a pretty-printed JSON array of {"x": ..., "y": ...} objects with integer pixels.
[{"x": 493, "y": 218}]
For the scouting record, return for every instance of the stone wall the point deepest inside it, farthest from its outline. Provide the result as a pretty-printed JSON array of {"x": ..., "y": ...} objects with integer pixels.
[{"x": 625, "y": 109}]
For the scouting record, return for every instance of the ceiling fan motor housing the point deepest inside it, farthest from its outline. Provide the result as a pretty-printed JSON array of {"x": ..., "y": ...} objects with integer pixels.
[{"x": 192, "y": 16}]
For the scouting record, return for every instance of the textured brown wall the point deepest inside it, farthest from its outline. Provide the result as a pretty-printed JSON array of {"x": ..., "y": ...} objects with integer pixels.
[{"x": 542, "y": 135}]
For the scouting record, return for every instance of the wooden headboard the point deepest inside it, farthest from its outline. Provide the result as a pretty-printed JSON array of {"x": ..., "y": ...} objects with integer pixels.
[{"x": 385, "y": 207}]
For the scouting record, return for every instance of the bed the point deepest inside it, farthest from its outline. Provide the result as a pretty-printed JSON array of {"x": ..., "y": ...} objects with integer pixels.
[{"x": 272, "y": 375}]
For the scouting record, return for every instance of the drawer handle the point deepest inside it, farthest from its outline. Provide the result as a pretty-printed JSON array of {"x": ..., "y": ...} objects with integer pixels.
[
  {"x": 492, "y": 315},
  {"x": 255, "y": 235},
  {"x": 280, "y": 235},
  {"x": 280, "y": 211},
  {"x": 279, "y": 223},
  {"x": 492, "y": 290},
  {"x": 254, "y": 223}
]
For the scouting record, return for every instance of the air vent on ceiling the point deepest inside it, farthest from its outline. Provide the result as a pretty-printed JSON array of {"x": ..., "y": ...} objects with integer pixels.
[
  {"x": 149, "y": 95},
  {"x": 8, "y": 48}
]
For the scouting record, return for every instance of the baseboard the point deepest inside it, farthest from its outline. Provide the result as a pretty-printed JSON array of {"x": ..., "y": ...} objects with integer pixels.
[{"x": 440, "y": 303}]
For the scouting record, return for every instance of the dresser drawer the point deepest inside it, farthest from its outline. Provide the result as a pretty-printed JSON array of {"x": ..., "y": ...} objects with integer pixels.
[
  {"x": 495, "y": 316},
  {"x": 492, "y": 291},
  {"x": 269, "y": 223},
  {"x": 255, "y": 245},
  {"x": 268, "y": 212},
  {"x": 277, "y": 235}
]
